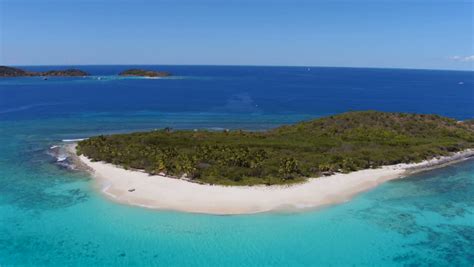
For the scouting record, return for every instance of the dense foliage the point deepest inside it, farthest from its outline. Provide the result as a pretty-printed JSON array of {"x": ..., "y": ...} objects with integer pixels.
[{"x": 340, "y": 143}]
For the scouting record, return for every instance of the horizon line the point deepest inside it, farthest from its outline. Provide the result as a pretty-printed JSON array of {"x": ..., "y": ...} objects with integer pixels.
[{"x": 239, "y": 65}]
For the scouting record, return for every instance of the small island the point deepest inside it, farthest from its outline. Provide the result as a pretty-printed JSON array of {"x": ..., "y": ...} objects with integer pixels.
[
  {"x": 16, "y": 72},
  {"x": 144, "y": 73},
  {"x": 65, "y": 73},
  {"x": 337, "y": 144},
  {"x": 13, "y": 72},
  {"x": 306, "y": 165}
]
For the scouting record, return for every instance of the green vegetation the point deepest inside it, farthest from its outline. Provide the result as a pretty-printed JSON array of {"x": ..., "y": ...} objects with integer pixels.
[
  {"x": 145, "y": 73},
  {"x": 341, "y": 143}
]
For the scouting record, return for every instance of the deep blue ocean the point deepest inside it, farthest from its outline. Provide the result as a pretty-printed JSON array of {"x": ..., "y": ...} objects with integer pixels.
[{"x": 53, "y": 216}]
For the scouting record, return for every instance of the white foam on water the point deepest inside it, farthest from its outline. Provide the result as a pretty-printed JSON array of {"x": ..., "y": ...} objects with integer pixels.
[
  {"x": 73, "y": 140},
  {"x": 61, "y": 158}
]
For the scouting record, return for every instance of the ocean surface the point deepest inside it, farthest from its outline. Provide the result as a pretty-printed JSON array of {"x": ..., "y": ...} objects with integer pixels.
[{"x": 51, "y": 215}]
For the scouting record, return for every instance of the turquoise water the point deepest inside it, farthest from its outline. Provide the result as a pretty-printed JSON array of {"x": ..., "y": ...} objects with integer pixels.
[{"x": 53, "y": 216}]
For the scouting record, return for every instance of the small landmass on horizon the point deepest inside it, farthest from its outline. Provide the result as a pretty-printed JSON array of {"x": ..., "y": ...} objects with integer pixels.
[
  {"x": 16, "y": 72},
  {"x": 144, "y": 73}
]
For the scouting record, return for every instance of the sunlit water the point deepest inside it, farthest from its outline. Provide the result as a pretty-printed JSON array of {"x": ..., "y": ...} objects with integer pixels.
[{"x": 50, "y": 215}]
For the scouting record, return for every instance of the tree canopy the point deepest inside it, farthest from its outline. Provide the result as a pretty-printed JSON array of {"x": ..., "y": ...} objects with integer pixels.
[{"x": 340, "y": 143}]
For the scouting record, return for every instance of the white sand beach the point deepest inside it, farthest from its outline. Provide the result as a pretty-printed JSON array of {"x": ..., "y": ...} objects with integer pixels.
[{"x": 159, "y": 192}]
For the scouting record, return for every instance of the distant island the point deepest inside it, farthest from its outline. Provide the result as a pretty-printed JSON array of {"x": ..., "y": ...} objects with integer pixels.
[
  {"x": 16, "y": 72},
  {"x": 144, "y": 73},
  {"x": 343, "y": 143}
]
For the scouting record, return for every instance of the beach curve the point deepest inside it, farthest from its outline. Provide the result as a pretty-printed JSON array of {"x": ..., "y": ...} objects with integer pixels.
[{"x": 137, "y": 188}]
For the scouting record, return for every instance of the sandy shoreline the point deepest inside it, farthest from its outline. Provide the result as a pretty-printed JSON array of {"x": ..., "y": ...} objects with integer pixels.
[{"x": 159, "y": 192}]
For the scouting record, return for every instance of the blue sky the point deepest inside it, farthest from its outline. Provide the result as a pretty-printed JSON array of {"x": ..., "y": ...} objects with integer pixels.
[{"x": 385, "y": 33}]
